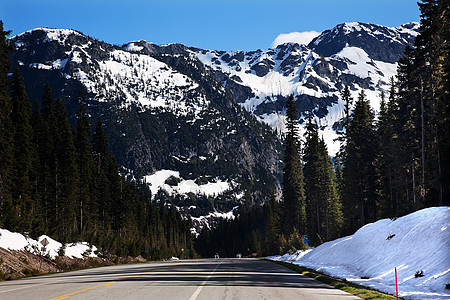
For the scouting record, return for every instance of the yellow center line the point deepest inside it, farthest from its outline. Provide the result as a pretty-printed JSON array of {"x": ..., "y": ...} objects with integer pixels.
[{"x": 111, "y": 282}]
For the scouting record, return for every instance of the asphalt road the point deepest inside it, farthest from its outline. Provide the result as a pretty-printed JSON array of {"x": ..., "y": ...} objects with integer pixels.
[{"x": 206, "y": 279}]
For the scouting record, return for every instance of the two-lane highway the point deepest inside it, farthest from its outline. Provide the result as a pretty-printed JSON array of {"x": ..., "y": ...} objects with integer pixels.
[{"x": 191, "y": 280}]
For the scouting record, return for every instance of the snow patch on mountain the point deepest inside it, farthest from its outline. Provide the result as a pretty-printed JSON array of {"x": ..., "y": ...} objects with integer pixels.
[
  {"x": 416, "y": 242},
  {"x": 160, "y": 180}
]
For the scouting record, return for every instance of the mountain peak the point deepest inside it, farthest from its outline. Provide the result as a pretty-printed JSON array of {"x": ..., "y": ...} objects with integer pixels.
[
  {"x": 380, "y": 42},
  {"x": 49, "y": 34}
]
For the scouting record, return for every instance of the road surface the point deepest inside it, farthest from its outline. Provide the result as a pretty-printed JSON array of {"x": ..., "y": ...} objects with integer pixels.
[{"x": 206, "y": 279}]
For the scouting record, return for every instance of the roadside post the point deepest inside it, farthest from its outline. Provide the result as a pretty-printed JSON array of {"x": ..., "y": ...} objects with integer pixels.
[{"x": 396, "y": 286}]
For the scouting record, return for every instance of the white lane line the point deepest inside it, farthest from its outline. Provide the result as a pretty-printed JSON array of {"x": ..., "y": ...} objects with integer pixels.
[
  {"x": 199, "y": 289},
  {"x": 30, "y": 286}
]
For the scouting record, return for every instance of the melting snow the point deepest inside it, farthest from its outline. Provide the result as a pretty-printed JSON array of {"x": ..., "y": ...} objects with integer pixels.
[
  {"x": 16, "y": 241},
  {"x": 417, "y": 242},
  {"x": 157, "y": 181}
]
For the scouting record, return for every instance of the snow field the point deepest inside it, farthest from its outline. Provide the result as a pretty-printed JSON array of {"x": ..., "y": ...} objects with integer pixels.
[{"x": 416, "y": 242}]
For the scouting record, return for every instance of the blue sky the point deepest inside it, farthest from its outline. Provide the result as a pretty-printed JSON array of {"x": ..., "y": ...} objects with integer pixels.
[{"x": 208, "y": 24}]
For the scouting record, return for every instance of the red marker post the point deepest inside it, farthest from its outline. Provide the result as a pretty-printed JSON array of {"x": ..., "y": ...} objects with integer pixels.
[{"x": 396, "y": 286}]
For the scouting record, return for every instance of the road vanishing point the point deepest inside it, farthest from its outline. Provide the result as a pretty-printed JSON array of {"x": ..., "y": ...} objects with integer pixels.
[{"x": 204, "y": 279}]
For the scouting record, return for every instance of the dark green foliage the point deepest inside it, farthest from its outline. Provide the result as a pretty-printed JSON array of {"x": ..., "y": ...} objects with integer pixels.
[
  {"x": 348, "y": 100},
  {"x": 412, "y": 163},
  {"x": 323, "y": 205},
  {"x": 87, "y": 203},
  {"x": 359, "y": 190},
  {"x": 54, "y": 180},
  {"x": 249, "y": 233},
  {"x": 23, "y": 153},
  {"x": 6, "y": 135},
  {"x": 294, "y": 214}
]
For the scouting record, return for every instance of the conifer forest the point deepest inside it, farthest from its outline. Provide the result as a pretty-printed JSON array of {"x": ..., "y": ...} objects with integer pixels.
[{"x": 64, "y": 181}]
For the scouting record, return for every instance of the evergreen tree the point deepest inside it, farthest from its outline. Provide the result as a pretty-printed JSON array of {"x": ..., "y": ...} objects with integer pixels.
[
  {"x": 294, "y": 214},
  {"x": 6, "y": 136},
  {"x": 334, "y": 219},
  {"x": 87, "y": 202},
  {"x": 273, "y": 226},
  {"x": 348, "y": 101},
  {"x": 359, "y": 190},
  {"x": 385, "y": 161},
  {"x": 38, "y": 175},
  {"x": 105, "y": 176},
  {"x": 315, "y": 185},
  {"x": 45, "y": 130},
  {"x": 443, "y": 107},
  {"x": 66, "y": 176},
  {"x": 23, "y": 152},
  {"x": 323, "y": 203}
]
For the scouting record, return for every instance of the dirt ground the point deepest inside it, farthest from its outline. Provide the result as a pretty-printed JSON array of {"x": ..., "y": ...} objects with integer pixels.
[{"x": 15, "y": 264}]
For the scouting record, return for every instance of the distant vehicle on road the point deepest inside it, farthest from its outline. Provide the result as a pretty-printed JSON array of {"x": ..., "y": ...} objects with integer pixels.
[
  {"x": 239, "y": 255},
  {"x": 216, "y": 256}
]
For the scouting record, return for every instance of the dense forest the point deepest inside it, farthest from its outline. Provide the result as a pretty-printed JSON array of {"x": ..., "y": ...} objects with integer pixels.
[
  {"x": 63, "y": 181},
  {"x": 388, "y": 166}
]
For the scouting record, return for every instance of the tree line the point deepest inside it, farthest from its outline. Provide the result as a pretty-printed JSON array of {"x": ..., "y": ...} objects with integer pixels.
[
  {"x": 388, "y": 166},
  {"x": 64, "y": 181}
]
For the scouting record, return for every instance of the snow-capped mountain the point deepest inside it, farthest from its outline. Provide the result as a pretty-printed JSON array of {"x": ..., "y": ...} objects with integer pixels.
[
  {"x": 203, "y": 114},
  {"x": 360, "y": 55},
  {"x": 161, "y": 112}
]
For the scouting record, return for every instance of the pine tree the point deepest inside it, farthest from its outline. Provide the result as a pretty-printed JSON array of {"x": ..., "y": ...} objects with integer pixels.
[
  {"x": 66, "y": 176},
  {"x": 385, "y": 161},
  {"x": 359, "y": 190},
  {"x": 443, "y": 107},
  {"x": 23, "y": 152},
  {"x": 315, "y": 185},
  {"x": 46, "y": 130},
  {"x": 273, "y": 226},
  {"x": 334, "y": 217},
  {"x": 40, "y": 217},
  {"x": 294, "y": 214},
  {"x": 348, "y": 101},
  {"x": 104, "y": 166},
  {"x": 323, "y": 204},
  {"x": 87, "y": 202},
  {"x": 6, "y": 136}
]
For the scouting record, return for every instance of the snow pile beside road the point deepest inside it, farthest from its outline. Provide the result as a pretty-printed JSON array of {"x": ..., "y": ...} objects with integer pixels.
[
  {"x": 418, "y": 242},
  {"x": 16, "y": 241}
]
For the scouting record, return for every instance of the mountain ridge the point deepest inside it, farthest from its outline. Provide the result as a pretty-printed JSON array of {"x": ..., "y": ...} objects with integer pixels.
[{"x": 204, "y": 113}]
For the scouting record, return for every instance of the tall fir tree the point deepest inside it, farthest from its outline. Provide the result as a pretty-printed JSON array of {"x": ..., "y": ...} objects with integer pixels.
[
  {"x": 385, "y": 161},
  {"x": 348, "y": 101},
  {"x": 38, "y": 175},
  {"x": 359, "y": 190},
  {"x": 87, "y": 202},
  {"x": 273, "y": 231},
  {"x": 6, "y": 136},
  {"x": 322, "y": 200},
  {"x": 105, "y": 177},
  {"x": 23, "y": 152},
  {"x": 66, "y": 176},
  {"x": 294, "y": 213}
]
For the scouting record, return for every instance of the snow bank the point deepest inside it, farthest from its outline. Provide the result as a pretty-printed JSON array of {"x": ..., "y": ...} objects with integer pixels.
[
  {"x": 417, "y": 242},
  {"x": 16, "y": 241}
]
